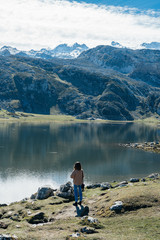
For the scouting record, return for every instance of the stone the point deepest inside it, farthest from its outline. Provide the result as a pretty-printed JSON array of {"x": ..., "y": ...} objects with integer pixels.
[
  {"x": 4, "y": 225},
  {"x": 3, "y": 205},
  {"x": 90, "y": 219},
  {"x": 133, "y": 180},
  {"x": 92, "y": 186},
  {"x": 7, "y": 214},
  {"x": 33, "y": 196},
  {"x": 88, "y": 230},
  {"x": 66, "y": 191},
  {"x": 37, "y": 218},
  {"x": 121, "y": 184},
  {"x": 135, "y": 145},
  {"x": 154, "y": 175},
  {"x": 117, "y": 206},
  {"x": 66, "y": 187},
  {"x": 143, "y": 180},
  {"x": 7, "y": 237},
  {"x": 44, "y": 192},
  {"x": 75, "y": 235},
  {"x": 105, "y": 186}
]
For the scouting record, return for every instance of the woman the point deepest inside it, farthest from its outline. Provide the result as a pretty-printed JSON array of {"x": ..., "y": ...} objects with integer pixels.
[{"x": 77, "y": 176}]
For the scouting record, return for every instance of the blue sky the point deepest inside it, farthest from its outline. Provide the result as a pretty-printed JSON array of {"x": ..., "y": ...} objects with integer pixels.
[
  {"x": 140, "y": 4},
  {"x": 36, "y": 24}
]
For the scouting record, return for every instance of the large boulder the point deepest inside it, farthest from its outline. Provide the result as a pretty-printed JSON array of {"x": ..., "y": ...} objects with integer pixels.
[
  {"x": 66, "y": 191},
  {"x": 44, "y": 192}
]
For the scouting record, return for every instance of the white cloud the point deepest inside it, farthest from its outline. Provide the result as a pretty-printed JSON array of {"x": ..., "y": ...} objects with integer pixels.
[{"x": 27, "y": 24}]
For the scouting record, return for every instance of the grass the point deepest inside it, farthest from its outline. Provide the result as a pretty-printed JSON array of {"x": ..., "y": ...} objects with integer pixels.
[
  {"x": 6, "y": 116},
  {"x": 139, "y": 218}
]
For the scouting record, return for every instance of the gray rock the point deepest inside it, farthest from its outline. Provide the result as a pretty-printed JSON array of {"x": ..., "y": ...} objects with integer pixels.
[
  {"x": 135, "y": 145},
  {"x": 4, "y": 225},
  {"x": 143, "y": 180},
  {"x": 88, "y": 230},
  {"x": 66, "y": 187},
  {"x": 75, "y": 235},
  {"x": 118, "y": 205},
  {"x": 7, "y": 237},
  {"x": 105, "y": 186},
  {"x": 66, "y": 191},
  {"x": 3, "y": 205},
  {"x": 90, "y": 219},
  {"x": 37, "y": 218},
  {"x": 44, "y": 192},
  {"x": 92, "y": 186},
  {"x": 154, "y": 175},
  {"x": 133, "y": 180},
  {"x": 121, "y": 184}
]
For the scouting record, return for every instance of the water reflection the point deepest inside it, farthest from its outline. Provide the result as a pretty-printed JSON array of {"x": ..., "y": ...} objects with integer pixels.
[{"x": 36, "y": 154}]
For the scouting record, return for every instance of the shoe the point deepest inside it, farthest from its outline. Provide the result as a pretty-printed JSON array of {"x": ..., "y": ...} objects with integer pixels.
[
  {"x": 75, "y": 204},
  {"x": 80, "y": 203}
]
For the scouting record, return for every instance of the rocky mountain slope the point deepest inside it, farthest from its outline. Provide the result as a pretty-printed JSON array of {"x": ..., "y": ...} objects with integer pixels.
[{"x": 103, "y": 82}]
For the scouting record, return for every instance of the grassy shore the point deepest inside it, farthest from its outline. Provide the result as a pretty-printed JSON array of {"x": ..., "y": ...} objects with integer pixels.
[
  {"x": 139, "y": 218},
  {"x": 40, "y": 118}
]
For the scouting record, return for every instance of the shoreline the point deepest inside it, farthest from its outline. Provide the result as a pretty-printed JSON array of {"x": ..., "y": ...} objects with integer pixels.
[
  {"x": 153, "y": 147},
  {"x": 104, "y": 184},
  {"x": 23, "y": 117}
]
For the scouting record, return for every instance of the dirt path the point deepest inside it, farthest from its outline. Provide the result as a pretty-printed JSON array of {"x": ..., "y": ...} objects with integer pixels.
[{"x": 66, "y": 212}]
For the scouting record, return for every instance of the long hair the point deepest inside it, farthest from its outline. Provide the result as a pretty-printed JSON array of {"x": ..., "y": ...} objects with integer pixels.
[{"x": 77, "y": 166}]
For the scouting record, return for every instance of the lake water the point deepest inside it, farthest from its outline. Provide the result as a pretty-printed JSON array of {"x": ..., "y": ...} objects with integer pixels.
[{"x": 33, "y": 155}]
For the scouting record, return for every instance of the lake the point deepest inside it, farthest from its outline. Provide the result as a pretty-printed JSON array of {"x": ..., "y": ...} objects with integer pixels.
[{"x": 33, "y": 155}]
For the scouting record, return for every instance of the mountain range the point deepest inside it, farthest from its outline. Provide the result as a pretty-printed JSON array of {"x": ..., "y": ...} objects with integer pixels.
[
  {"x": 61, "y": 51},
  {"x": 65, "y": 51},
  {"x": 103, "y": 82}
]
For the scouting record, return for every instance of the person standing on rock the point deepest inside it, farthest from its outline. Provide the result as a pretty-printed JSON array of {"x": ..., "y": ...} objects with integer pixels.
[{"x": 77, "y": 176}]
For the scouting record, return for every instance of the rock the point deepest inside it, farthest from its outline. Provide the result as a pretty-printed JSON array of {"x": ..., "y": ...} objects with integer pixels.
[
  {"x": 3, "y": 205},
  {"x": 75, "y": 235},
  {"x": 90, "y": 219},
  {"x": 154, "y": 175},
  {"x": 105, "y": 186},
  {"x": 135, "y": 145},
  {"x": 117, "y": 206},
  {"x": 66, "y": 187},
  {"x": 84, "y": 211},
  {"x": 7, "y": 237},
  {"x": 143, "y": 180},
  {"x": 15, "y": 217},
  {"x": 121, "y": 184},
  {"x": 37, "y": 218},
  {"x": 66, "y": 191},
  {"x": 8, "y": 214},
  {"x": 33, "y": 196},
  {"x": 151, "y": 144},
  {"x": 44, "y": 192},
  {"x": 133, "y": 180},
  {"x": 92, "y": 186},
  {"x": 88, "y": 230},
  {"x": 4, "y": 225}
]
